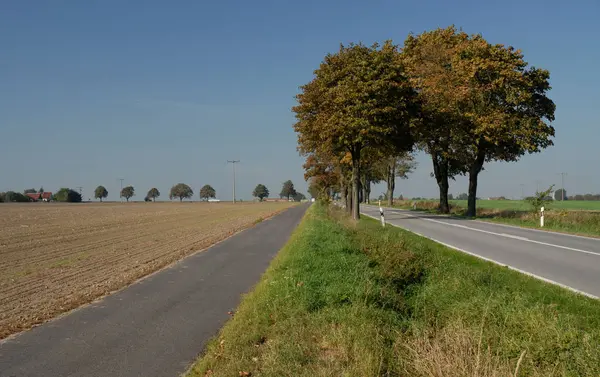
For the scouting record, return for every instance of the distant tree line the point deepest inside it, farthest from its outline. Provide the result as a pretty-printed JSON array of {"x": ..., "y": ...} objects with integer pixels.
[
  {"x": 589, "y": 197},
  {"x": 179, "y": 191}
]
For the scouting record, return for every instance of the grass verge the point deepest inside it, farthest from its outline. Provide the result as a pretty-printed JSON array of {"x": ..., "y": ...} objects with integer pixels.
[
  {"x": 567, "y": 221},
  {"x": 344, "y": 299}
]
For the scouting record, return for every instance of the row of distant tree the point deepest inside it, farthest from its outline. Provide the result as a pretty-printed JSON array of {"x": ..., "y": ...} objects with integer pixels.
[
  {"x": 183, "y": 191},
  {"x": 179, "y": 191}
]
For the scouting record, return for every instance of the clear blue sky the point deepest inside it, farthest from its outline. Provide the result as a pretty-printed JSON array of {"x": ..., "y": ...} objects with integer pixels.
[{"x": 163, "y": 92}]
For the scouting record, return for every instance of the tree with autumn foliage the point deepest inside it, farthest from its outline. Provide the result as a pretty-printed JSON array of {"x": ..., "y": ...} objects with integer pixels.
[
  {"x": 428, "y": 60},
  {"x": 359, "y": 97},
  {"x": 481, "y": 102},
  {"x": 322, "y": 173}
]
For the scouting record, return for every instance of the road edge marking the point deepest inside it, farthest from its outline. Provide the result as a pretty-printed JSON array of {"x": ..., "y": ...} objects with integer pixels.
[
  {"x": 506, "y": 225},
  {"x": 511, "y": 236},
  {"x": 524, "y": 239},
  {"x": 530, "y": 274}
]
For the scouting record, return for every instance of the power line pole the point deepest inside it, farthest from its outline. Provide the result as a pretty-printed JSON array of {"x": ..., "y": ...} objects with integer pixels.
[
  {"x": 233, "y": 162},
  {"x": 562, "y": 177},
  {"x": 121, "y": 196}
]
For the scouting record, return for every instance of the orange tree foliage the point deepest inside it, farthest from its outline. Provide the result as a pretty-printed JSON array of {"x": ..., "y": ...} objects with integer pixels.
[
  {"x": 359, "y": 97},
  {"x": 496, "y": 103}
]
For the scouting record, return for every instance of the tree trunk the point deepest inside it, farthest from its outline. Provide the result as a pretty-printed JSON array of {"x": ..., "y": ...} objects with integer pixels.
[
  {"x": 391, "y": 182},
  {"x": 474, "y": 171},
  {"x": 440, "y": 171},
  {"x": 368, "y": 191},
  {"x": 100, "y": 200},
  {"x": 153, "y": 199},
  {"x": 127, "y": 199},
  {"x": 180, "y": 199},
  {"x": 349, "y": 200},
  {"x": 343, "y": 192},
  {"x": 363, "y": 191},
  {"x": 355, "y": 183}
]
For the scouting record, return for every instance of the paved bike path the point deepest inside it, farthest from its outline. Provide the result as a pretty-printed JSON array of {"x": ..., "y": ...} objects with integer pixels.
[{"x": 157, "y": 326}]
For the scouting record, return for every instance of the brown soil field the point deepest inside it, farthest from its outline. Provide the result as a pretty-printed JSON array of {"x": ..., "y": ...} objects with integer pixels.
[{"x": 56, "y": 257}]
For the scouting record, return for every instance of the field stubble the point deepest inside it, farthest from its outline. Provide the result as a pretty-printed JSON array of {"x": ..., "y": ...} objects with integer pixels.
[{"x": 55, "y": 257}]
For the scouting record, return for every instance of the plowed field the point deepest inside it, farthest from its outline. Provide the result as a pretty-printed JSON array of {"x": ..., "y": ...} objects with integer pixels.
[{"x": 55, "y": 257}]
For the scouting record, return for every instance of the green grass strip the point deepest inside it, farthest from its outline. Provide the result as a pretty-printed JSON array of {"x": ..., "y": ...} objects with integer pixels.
[{"x": 344, "y": 299}]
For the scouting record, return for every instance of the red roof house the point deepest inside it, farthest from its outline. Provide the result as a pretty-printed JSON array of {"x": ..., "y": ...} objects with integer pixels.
[{"x": 35, "y": 196}]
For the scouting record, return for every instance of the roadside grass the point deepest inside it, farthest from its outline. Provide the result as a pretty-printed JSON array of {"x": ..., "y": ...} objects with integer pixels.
[
  {"x": 567, "y": 221},
  {"x": 346, "y": 299}
]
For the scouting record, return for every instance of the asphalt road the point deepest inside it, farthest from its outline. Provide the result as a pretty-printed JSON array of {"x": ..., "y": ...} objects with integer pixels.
[
  {"x": 570, "y": 261},
  {"x": 157, "y": 326}
]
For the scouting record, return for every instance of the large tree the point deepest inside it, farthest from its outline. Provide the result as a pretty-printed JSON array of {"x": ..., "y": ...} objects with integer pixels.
[
  {"x": 481, "y": 102},
  {"x": 100, "y": 192},
  {"x": 181, "y": 191},
  {"x": 503, "y": 102},
  {"x": 261, "y": 192},
  {"x": 207, "y": 192},
  {"x": 358, "y": 97},
  {"x": 128, "y": 192},
  {"x": 428, "y": 60},
  {"x": 153, "y": 193},
  {"x": 287, "y": 190}
]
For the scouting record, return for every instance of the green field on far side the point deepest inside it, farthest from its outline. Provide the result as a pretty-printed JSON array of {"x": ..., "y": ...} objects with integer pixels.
[{"x": 521, "y": 205}]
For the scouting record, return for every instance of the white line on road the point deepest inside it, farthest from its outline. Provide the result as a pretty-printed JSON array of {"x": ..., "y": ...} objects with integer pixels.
[
  {"x": 496, "y": 262},
  {"x": 509, "y": 236},
  {"x": 554, "y": 233},
  {"x": 500, "y": 234}
]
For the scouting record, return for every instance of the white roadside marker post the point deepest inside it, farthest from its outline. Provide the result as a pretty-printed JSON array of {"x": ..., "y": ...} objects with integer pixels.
[
  {"x": 382, "y": 216},
  {"x": 542, "y": 217}
]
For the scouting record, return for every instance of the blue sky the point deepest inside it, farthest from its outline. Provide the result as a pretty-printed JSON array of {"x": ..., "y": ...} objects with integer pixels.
[{"x": 163, "y": 92}]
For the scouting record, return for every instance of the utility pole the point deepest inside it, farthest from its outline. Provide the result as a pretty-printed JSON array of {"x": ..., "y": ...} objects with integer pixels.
[
  {"x": 233, "y": 162},
  {"x": 562, "y": 176},
  {"x": 121, "y": 196}
]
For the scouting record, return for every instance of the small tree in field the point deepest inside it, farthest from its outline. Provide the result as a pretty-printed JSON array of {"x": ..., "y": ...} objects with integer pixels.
[
  {"x": 261, "y": 192},
  {"x": 287, "y": 190},
  {"x": 181, "y": 191},
  {"x": 153, "y": 193},
  {"x": 207, "y": 192},
  {"x": 541, "y": 199},
  {"x": 100, "y": 192},
  {"x": 128, "y": 192}
]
